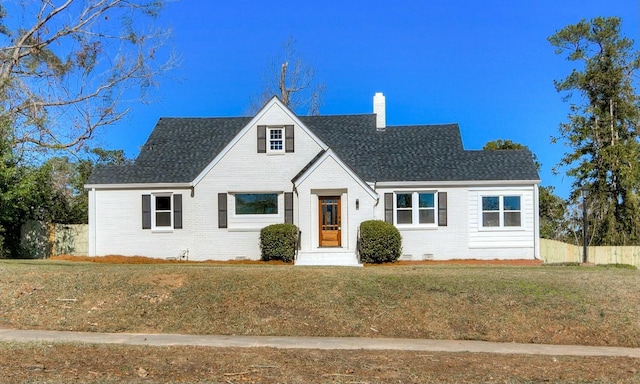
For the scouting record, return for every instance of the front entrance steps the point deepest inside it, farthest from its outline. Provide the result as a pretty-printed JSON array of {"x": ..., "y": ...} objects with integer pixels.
[{"x": 329, "y": 257}]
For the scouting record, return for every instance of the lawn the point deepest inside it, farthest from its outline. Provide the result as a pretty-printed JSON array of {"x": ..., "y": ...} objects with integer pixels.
[{"x": 550, "y": 305}]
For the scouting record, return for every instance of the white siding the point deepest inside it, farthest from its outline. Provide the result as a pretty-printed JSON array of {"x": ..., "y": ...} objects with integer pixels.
[
  {"x": 437, "y": 243},
  {"x": 118, "y": 224},
  {"x": 498, "y": 239},
  {"x": 461, "y": 238}
]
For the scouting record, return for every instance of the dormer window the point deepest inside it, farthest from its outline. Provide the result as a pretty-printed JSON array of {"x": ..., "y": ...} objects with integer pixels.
[{"x": 276, "y": 140}]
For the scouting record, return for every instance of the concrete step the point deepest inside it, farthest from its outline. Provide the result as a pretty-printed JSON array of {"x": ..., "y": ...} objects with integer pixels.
[{"x": 344, "y": 259}]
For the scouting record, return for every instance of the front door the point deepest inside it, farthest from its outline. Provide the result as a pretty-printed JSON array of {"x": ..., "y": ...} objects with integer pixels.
[{"x": 329, "y": 212}]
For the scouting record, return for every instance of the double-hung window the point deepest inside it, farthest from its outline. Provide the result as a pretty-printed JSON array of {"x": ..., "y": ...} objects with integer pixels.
[
  {"x": 415, "y": 208},
  {"x": 501, "y": 211},
  {"x": 275, "y": 140},
  {"x": 162, "y": 213}
]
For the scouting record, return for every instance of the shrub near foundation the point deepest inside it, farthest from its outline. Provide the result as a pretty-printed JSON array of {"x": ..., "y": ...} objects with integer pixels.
[
  {"x": 380, "y": 242},
  {"x": 278, "y": 242}
]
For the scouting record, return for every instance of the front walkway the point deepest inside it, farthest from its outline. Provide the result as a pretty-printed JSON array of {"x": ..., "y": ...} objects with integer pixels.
[{"x": 220, "y": 341}]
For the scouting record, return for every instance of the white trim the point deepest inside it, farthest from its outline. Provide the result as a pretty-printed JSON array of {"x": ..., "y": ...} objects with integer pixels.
[
  {"x": 501, "y": 227},
  {"x": 140, "y": 186},
  {"x": 329, "y": 153},
  {"x": 274, "y": 101},
  {"x": 415, "y": 210},
  {"x": 92, "y": 222},
  {"x": 280, "y": 151},
  {"x": 445, "y": 183},
  {"x": 536, "y": 221},
  {"x": 255, "y": 216},
  {"x": 164, "y": 228}
]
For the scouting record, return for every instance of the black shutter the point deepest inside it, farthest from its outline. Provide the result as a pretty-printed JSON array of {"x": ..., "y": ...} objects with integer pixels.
[
  {"x": 222, "y": 210},
  {"x": 177, "y": 211},
  {"x": 146, "y": 211},
  {"x": 442, "y": 209},
  {"x": 388, "y": 207},
  {"x": 288, "y": 135},
  {"x": 262, "y": 139},
  {"x": 288, "y": 207}
]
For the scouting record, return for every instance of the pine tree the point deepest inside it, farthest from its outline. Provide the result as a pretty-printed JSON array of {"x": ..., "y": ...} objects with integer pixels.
[{"x": 602, "y": 130}]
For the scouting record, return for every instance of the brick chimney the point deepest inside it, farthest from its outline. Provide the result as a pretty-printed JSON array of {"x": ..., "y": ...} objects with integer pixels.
[{"x": 379, "y": 109}]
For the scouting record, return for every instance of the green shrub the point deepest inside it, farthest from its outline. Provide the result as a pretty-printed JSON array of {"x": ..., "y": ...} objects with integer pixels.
[
  {"x": 278, "y": 242},
  {"x": 380, "y": 242}
]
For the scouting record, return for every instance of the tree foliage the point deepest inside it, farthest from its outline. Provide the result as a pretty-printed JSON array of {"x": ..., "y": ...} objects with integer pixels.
[
  {"x": 67, "y": 67},
  {"x": 602, "y": 127},
  {"x": 500, "y": 144},
  {"x": 52, "y": 193},
  {"x": 293, "y": 81}
]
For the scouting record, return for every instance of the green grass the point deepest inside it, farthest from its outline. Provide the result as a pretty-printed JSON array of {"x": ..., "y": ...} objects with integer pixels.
[{"x": 561, "y": 305}]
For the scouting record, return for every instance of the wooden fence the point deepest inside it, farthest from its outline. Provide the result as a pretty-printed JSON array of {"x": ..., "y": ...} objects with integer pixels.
[
  {"x": 552, "y": 251},
  {"x": 41, "y": 240}
]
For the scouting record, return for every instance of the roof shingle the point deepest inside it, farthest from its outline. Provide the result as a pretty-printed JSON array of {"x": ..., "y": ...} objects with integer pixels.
[{"x": 179, "y": 149}]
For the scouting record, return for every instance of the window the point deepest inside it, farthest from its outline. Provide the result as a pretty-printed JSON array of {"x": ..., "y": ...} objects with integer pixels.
[
  {"x": 162, "y": 211},
  {"x": 276, "y": 140},
  {"x": 415, "y": 208},
  {"x": 256, "y": 203},
  {"x": 501, "y": 211}
]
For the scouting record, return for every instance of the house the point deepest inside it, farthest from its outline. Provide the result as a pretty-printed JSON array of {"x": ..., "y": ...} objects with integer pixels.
[{"x": 208, "y": 185}]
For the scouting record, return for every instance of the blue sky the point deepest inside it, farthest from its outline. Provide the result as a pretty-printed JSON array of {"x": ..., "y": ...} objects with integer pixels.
[{"x": 485, "y": 65}]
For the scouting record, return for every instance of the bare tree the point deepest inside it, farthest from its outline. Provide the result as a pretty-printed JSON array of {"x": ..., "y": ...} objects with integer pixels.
[
  {"x": 69, "y": 67},
  {"x": 289, "y": 78}
]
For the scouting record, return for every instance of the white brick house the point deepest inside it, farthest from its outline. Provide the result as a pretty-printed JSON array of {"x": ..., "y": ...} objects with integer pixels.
[{"x": 208, "y": 185}]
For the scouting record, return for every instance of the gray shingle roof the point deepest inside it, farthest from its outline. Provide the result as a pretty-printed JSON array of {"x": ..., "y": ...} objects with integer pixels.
[{"x": 178, "y": 149}]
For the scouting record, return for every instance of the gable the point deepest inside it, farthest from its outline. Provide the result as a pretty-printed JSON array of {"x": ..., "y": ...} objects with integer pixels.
[
  {"x": 248, "y": 146},
  {"x": 333, "y": 168}
]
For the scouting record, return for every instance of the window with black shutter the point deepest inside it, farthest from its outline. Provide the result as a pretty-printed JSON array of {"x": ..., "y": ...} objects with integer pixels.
[{"x": 162, "y": 211}]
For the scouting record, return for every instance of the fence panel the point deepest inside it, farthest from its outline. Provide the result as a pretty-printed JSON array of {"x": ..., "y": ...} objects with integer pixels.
[
  {"x": 552, "y": 251},
  {"x": 41, "y": 240}
]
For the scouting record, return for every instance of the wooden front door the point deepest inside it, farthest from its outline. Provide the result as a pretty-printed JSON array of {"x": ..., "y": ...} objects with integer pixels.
[{"x": 329, "y": 212}]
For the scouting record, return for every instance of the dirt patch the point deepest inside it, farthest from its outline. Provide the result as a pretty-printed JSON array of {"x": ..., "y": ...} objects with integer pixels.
[
  {"x": 161, "y": 280},
  {"x": 63, "y": 363}
]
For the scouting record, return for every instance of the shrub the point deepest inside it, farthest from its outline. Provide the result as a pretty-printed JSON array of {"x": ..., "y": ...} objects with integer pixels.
[
  {"x": 380, "y": 242},
  {"x": 278, "y": 242}
]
